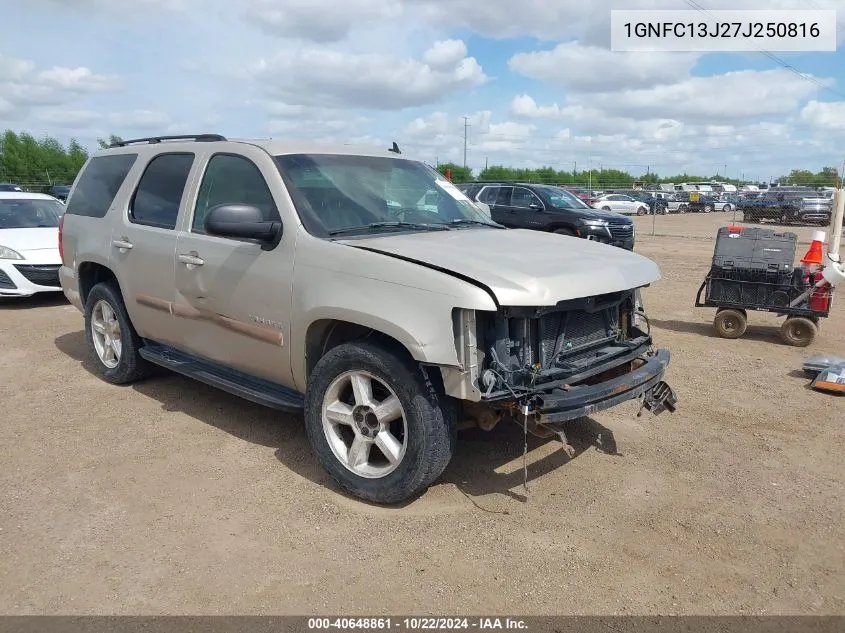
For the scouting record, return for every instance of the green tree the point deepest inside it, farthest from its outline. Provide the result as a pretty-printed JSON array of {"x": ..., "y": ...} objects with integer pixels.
[
  {"x": 459, "y": 173},
  {"x": 111, "y": 140}
]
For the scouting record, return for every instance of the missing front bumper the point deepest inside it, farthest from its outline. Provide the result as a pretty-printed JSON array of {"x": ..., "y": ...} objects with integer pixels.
[{"x": 560, "y": 405}]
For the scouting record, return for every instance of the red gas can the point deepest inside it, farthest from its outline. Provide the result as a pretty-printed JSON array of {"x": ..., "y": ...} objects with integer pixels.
[{"x": 820, "y": 299}]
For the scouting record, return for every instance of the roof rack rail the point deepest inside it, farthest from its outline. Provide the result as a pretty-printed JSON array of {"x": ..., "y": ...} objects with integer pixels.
[{"x": 200, "y": 138}]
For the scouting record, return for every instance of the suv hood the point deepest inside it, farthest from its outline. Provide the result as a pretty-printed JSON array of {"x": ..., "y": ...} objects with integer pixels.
[{"x": 521, "y": 267}]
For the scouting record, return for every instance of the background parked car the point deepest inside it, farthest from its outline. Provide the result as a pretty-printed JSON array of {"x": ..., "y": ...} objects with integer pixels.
[
  {"x": 620, "y": 203},
  {"x": 60, "y": 192},
  {"x": 8, "y": 186},
  {"x": 552, "y": 209},
  {"x": 788, "y": 205},
  {"x": 655, "y": 204},
  {"x": 29, "y": 243}
]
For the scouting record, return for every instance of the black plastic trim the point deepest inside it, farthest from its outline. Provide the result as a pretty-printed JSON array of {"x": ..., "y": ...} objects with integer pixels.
[
  {"x": 560, "y": 405},
  {"x": 258, "y": 390}
]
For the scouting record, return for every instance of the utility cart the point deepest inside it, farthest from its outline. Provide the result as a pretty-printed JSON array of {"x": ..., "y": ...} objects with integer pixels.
[{"x": 753, "y": 269}]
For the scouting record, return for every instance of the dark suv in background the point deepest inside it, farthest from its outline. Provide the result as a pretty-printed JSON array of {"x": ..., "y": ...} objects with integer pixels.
[
  {"x": 789, "y": 205},
  {"x": 551, "y": 209},
  {"x": 60, "y": 192}
]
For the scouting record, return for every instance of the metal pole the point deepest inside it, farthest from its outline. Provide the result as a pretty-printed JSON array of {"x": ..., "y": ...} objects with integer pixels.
[
  {"x": 836, "y": 230},
  {"x": 466, "y": 126}
]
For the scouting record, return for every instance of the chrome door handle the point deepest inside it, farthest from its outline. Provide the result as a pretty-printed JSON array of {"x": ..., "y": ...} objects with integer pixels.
[
  {"x": 190, "y": 260},
  {"x": 122, "y": 244}
]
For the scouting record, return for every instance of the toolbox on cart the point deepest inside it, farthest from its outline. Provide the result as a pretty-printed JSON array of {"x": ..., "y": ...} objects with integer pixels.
[
  {"x": 753, "y": 266},
  {"x": 755, "y": 249},
  {"x": 753, "y": 269}
]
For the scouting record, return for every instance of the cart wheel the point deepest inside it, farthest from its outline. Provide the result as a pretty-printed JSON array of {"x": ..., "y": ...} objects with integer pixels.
[
  {"x": 798, "y": 331},
  {"x": 730, "y": 323}
]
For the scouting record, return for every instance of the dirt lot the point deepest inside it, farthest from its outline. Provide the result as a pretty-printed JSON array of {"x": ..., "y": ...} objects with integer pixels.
[{"x": 171, "y": 497}]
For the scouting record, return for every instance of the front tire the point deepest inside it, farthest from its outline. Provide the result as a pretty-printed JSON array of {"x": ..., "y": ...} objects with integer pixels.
[
  {"x": 378, "y": 423},
  {"x": 730, "y": 323},
  {"x": 111, "y": 338},
  {"x": 564, "y": 232},
  {"x": 798, "y": 331},
  {"x": 727, "y": 208},
  {"x": 642, "y": 211}
]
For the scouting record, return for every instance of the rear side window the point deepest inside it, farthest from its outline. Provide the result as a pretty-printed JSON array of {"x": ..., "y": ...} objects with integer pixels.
[
  {"x": 488, "y": 195},
  {"x": 159, "y": 193},
  {"x": 99, "y": 184}
]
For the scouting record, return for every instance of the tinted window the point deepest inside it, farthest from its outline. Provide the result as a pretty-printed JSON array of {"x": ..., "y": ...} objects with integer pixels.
[
  {"x": 99, "y": 184},
  {"x": 503, "y": 197},
  {"x": 488, "y": 195},
  {"x": 523, "y": 198},
  {"x": 159, "y": 193},
  {"x": 21, "y": 213},
  {"x": 233, "y": 179}
]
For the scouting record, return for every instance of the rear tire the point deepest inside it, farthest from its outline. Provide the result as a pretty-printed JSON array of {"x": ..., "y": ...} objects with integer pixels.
[
  {"x": 682, "y": 208},
  {"x": 730, "y": 323},
  {"x": 642, "y": 211},
  {"x": 399, "y": 457},
  {"x": 112, "y": 340},
  {"x": 798, "y": 331},
  {"x": 727, "y": 208}
]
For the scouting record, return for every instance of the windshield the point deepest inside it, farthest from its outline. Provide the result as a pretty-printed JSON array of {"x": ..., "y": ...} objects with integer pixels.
[
  {"x": 370, "y": 194},
  {"x": 29, "y": 214},
  {"x": 563, "y": 199}
]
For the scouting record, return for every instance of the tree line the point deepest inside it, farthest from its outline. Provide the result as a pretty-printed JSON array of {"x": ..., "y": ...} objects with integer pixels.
[
  {"x": 27, "y": 160},
  {"x": 826, "y": 177}
]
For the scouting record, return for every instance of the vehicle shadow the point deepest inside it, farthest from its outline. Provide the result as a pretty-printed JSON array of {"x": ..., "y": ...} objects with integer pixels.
[
  {"x": 762, "y": 333},
  {"x": 474, "y": 469},
  {"x": 41, "y": 300}
]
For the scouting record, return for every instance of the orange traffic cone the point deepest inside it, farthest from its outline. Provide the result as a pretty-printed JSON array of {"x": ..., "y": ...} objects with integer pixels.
[{"x": 815, "y": 254}]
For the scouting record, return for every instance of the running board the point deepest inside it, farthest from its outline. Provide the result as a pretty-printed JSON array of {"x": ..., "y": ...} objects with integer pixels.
[{"x": 257, "y": 390}]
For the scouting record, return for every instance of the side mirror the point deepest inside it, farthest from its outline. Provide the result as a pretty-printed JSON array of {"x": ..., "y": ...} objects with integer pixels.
[{"x": 242, "y": 221}]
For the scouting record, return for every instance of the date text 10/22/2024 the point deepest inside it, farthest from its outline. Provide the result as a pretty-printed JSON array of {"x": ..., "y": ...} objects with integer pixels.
[{"x": 418, "y": 623}]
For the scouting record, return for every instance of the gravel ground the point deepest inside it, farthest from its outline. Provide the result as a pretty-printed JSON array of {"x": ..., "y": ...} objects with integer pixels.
[{"x": 169, "y": 497}]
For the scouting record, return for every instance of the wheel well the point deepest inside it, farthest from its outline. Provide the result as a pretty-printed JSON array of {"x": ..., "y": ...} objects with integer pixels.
[
  {"x": 560, "y": 227},
  {"x": 91, "y": 274},
  {"x": 325, "y": 334}
]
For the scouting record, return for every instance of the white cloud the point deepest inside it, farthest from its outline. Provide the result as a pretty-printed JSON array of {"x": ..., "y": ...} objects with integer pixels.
[
  {"x": 589, "y": 68},
  {"x": 525, "y": 106},
  {"x": 828, "y": 115},
  {"x": 320, "y": 21},
  {"x": 107, "y": 7},
  {"x": 327, "y": 78},
  {"x": 734, "y": 95},
  {"x": 23, "y": 86},
  {"x": 445, "y": 53},
  {"x": 140, "y": 119}
]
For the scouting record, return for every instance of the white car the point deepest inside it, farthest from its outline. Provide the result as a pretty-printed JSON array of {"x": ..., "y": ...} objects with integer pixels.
[
  {"x": 619, "y": 203},
  {"x": 29, "y": 244}
]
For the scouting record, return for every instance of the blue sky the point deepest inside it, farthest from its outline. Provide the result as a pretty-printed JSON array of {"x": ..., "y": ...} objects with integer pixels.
[{"x": 535, "y": 78}]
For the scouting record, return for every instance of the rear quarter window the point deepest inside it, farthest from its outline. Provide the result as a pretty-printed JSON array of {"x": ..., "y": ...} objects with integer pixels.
[{"x": 99, "y": 184}]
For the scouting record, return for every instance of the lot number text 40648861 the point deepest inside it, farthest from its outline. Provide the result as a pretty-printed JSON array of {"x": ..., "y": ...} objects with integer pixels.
[{"x": 418, "y": 623}]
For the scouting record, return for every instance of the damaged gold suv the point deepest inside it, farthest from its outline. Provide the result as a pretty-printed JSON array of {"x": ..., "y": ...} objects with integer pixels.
[{"x": 357, "y": 286}]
